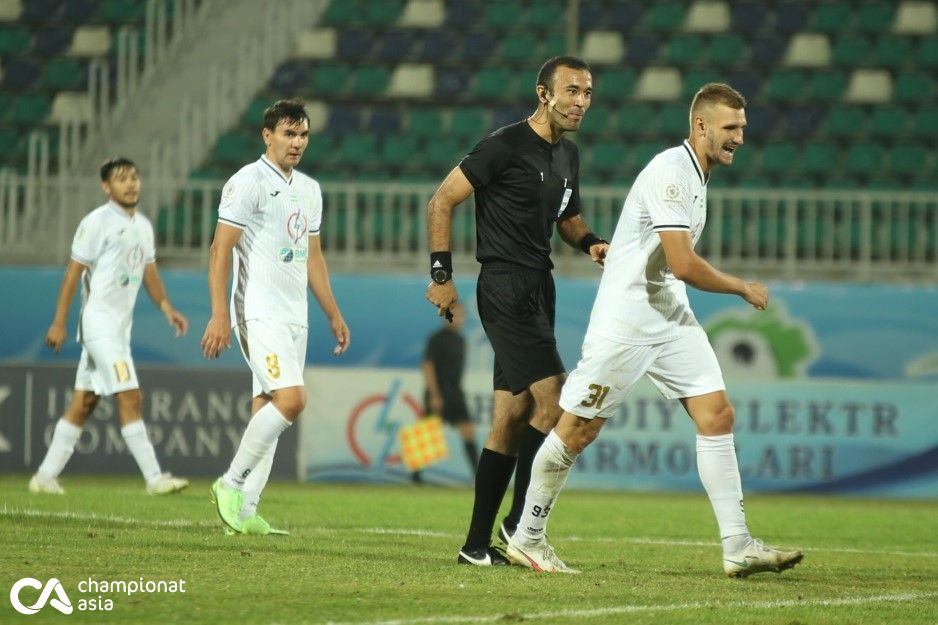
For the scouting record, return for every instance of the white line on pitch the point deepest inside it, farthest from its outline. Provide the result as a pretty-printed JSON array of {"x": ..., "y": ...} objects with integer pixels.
[
  {"x": 122, "y": 520},
  {"x": 673, "y": 607}
]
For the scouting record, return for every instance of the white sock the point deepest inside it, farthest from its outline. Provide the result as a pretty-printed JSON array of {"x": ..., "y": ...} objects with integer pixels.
[
  {"x": 719, "y": 473},
  {"x": 64, "y": 438},
  {"x": 138, "y": 442},
  {"x": 255, "y": 483},
  {"x": 263, "y": 430},
  {"x": 549, "y": 473}
]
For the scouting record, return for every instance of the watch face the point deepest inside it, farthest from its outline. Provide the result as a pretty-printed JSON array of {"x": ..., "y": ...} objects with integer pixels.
[{"x": 439, "y": 276}]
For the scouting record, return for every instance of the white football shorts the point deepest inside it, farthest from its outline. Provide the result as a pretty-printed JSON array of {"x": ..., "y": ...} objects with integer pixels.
[
  {"x": 682, "y": 367},
  {"x": 275, "y": 352},
  {"x": 105, "y": 367}
]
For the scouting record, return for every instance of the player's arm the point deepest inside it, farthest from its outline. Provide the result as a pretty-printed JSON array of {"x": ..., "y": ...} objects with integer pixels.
[
  {"x": 153, "y": 283},
  {"x": 575, "y": 233},
  {"x": 57, "y": 332},
  {"x": 688, "y": 266},
  {"x": 433, "y": 386},
  {"x": 218, "y": 331},
  {"x": 454, "y": 190},
  {"x": 317, "y": 275}
]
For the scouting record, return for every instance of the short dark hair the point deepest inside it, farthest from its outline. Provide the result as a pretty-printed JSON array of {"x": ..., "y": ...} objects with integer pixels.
[
  {"x": 117, "y": 162},
  {"x": 293, "y": 111},
  {"x": 545, "y": 77}
]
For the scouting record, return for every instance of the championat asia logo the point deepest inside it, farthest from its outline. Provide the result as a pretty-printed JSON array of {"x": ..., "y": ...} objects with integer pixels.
[
  {"x": 60, "y": 602},
  {"x": 96, "y": 603}
]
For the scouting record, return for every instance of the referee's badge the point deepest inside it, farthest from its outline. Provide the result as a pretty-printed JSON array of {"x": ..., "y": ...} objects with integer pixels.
[{"x": 566, "y": 199}]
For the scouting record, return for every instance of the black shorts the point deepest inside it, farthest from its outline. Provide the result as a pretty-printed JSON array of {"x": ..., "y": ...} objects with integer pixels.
[
  {"x": 455, "y": 409},
  {"x": 516, "y": 306}
]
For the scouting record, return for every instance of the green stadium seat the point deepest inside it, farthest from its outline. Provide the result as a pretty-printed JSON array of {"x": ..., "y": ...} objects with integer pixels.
[
  {"x": 892, "y": 51},
  {"x": 469, "y": 124},
  {"x": 864, "y": 158},
  {"x": 744, "y": 158},
  {"x": 820, "y": 157},
  {"x": 321, "y": 150},
  {"x": 913, "y": 87},
  {"x": 827, "y": 86},
  {"x": 555, "y": 44},
  {"x": 846, "y": 121},
  {"x": 399, "y": 150},
  {"x": 493, "y": 82},
  {"x": 850, "y": 51},
  {"x": 636, "y": 119},
  {"x": 31, "y": 109},
  {"x": 908, "y": 159},
  {"x": 342, "y": 13},
  {"x": 787, "y": 86},
  {"x": 330, "y": 78},
  {"x": 779, "y": 157},
  {"x": 694, "y": 79},
  {"x": 381, "y": 12},
  {"x": 253, "y": 115},
  {"x": 832, "y": 17},
  {"x": 642, "y": 152},
  {"x": 607, "y": 156},
  {"x": 14, "y": 40},
  {"x": 598, "y": 121},
  {"x": 519, "y": 47},
  {"x": 61, "y": 74},
  {"x": 503, "y": 14},
  {"x": 615, "y": 84},
  {"x": 235, "y": 147},
  {"x": 356, "y": 149},
  {"x": 6, "y": 107},
  {"x": 443, "y": 153},
  {"x": 925, "y": 124},
  {"x": 875, "y": 17},
  {"x": 726, "y": 50},
  {"x": 543, "y": 14},
  {"x": 685, "y": 49},
  {"x": 927, "y": 54},
  {"x": 425, "y": 122},
  {"x": 122, "y": 11},
  {"x": 370, "y": 80},
  {"x": 674, "y": 121},
  {"x": 664, "y": 17},
  {"x": 889, "y": 122}
]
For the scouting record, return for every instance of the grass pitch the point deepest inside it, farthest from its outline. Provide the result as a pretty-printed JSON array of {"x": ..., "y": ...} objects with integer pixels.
[{"x": 370, "y": 555}]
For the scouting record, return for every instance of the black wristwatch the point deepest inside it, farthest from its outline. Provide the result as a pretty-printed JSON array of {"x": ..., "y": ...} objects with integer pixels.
[{"x": 441, "y": 275}]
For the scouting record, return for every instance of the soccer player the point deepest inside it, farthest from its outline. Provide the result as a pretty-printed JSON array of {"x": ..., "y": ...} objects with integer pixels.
[
  {"x": 525, "y": 179},
  {"x": 268, "y": 222},
  {"x": 442, "y": 367},
  {"x": 642, "y": 324},
  {"x": 112, "y": 252}
]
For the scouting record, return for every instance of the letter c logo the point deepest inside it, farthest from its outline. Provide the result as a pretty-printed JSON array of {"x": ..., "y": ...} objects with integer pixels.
[{"x": 60, "y": 602}]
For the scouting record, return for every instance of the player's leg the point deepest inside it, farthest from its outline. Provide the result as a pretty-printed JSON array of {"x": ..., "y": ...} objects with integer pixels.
[
  {"x": 589, "y": 397},
  {"x": 271, "y": 351},
  {"x": 688, "y": 369},
  {"x": 66, "y": 433},
  {"x": 467, "y": 432},
  {"x": 496, "y": 464}
]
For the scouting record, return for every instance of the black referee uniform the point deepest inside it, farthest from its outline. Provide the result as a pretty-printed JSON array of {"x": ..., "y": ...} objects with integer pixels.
[
  {"x": 446, "y": 351},
  {"x": 523, "y": 184}
]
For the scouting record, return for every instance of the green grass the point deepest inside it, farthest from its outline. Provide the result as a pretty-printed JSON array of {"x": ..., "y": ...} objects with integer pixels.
[{"x": 362, "y": 554}]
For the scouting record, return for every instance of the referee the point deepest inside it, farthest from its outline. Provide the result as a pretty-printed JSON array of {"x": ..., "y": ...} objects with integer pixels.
[{"x": 525, "y": 178}]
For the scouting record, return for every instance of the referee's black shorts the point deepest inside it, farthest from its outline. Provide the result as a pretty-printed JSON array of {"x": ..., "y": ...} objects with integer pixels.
[{"x": 516, "y": 306}]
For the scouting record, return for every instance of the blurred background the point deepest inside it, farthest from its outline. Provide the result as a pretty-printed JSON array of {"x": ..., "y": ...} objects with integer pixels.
[{"x": 833, "y": 199}]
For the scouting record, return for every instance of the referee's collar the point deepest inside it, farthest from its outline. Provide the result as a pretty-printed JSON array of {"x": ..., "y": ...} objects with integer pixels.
[
  {"x": 276, "y": 169},
  {"x": 696, "y": 163}
]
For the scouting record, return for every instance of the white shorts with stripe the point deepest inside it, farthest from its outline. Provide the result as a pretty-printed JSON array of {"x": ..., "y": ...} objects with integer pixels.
[
  {"x": 275, "y": 351},
  {"x": 685, "y": 366},
  {"x": 106, "y": 368}
]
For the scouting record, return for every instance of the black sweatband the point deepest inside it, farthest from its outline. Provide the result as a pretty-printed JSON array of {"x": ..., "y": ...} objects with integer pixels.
[
  {"x": 441, "y": 266},
  {"x": 588, "y": 241}
]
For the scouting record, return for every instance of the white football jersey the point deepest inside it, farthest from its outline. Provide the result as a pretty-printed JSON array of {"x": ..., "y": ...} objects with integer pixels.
[
  {"x": 639, "y": 300},
  {"x": 114, "y": 246},
  {"x": 277, "y": 216}
]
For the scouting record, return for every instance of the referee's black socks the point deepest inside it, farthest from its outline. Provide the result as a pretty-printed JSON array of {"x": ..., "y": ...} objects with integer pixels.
[
  {"x": 531, "y": 440},
  {"x": 492, "y": 479}
]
